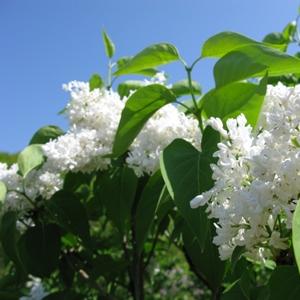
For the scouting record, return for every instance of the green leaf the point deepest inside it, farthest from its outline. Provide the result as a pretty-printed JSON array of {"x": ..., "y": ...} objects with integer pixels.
[
  {"x": 147, "y": 207},
  {"x": 233, "y": 99},
  {"x": 253, "y": 61},
  {"x": 30, "y": 158},
  {"x": 224, "y": 42},
  {"x": 46, "y": 134},
  {"x": 108, "y": 44},
  {"x": 276, "y": 38},
  {"x": 117, "y": 190},
  {"x": 206, "y": 261},
  {"x": 285, "y": 283},
  {"x": 70, "y": 214},
  {"x": 289, "y": 31},
  {"x": 138, "y": 109},
  {"x": 128, "y": 86},
  {"x": 70, "y": 295},
  {"x": 146, "y": 72},
  {"x": 3, "y": 191},
  {"x": 152, "y": 56},
  {"x": 182, "y": 88},
  {"x": 187, "y": 173},
  {"x": 39, "y": 249},
  {"x": 9, "y": 238},
  {"x": 95, "y": 82},
  {"x": 296, "y": 234}
]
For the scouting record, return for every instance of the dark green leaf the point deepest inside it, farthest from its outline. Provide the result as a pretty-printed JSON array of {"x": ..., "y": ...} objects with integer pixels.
[
  {"x": 289, "y": 31},
  {"x": 70, "y": 214},
  {"x": 285, "y": 283},
  {"x": 128, "y": 86},
  {"x": 152, "y": 56},
  {"x": 65, "y": 295},
  {"x": 206, "y": 261},
  {"x": 39, "y": 249},
  {"x": 108, "y": 44},
  {"x": 187, "y": 173},
  {"x": 117, "y": 190},
  {"x": 30, "y": 158},
  {"x": 46, "y": 134},
  {"x": 138, "y": 109},
  {"x": 233, "y": 99},
  {"x": 182, "y": 88},
  {"x": 253, "y": 61},
  {"x": 95, "y": 82},
  {"x": 9, "y": 238},
  {"x": 147, "y": 206}
]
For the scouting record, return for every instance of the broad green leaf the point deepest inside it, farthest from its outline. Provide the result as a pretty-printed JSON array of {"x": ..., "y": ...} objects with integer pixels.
[
  {"x": 30, "y": 158},
  {"x": 182, "y": 88},
  {"x": 285, "y": 283},
  {"x": 3, "y": 191},
  {"x": 253, "y": 61},
  {"x": 146, "y": 72},
  {"x": 289, "y": 31},
  {"x": 39, "y": 249},
  {"x": 95, "y": 82},
  {"x": 108, "y": 44},
  {"x": 128, "y": 86},
  {"x": 117, "y": 190},
  {"x": 147, "y": 207},
  {"x": 70, "y": 213},
  {"x": 187, "y": 173},
  {"x": 233, "y": 99},
  {"x": 206, "y": 261},
  {"x": 152, "y": 56},
  {"x": 296, "y": 234},
  {"x": 276, "y": 38},
  {"x": 9, "y": 239},
  {"x": 46, "y": 134},
  {"x": 224, "y": 42},
  {"x": 8, "y": 158},
  {"x": 138, "y": 109}
]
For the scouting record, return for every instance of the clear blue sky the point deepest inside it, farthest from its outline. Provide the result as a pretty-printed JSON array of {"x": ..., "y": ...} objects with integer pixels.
[{"x": 46, "y": 43}]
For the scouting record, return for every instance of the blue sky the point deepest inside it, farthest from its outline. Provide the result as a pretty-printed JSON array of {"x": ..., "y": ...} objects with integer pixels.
[{"x": 46, "y": 43}]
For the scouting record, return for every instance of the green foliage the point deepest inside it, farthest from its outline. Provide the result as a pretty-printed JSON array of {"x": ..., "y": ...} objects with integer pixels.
[
  {"x": 95, "y": 82},
  {"x": 30, "y": 158},
  {"x": 39, "y": 249},
  {"x": 46, "y": 134},
  {"x": 285, "y": 283},
  {"x": 109, "y": 45},
  {"x": 187, "y": 173},
  {"x": 253, "y": 61},
  {"x": 123, "y": 61},
  {"x": 182, "y": 88},
  {"x": 152, "y": 56},
  {"x": 8, "y": 158},
  {"x": 233, "y": 99},
  {"x": 128, "y": 86},
  {"x": 138, "y": 109}
]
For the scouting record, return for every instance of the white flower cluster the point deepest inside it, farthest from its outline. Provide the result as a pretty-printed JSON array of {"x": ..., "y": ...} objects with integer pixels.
[
  {"x": 165, "y": 126},
  {"x": 257, "y": 178},
  {"x": 94, "y": 117}
]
